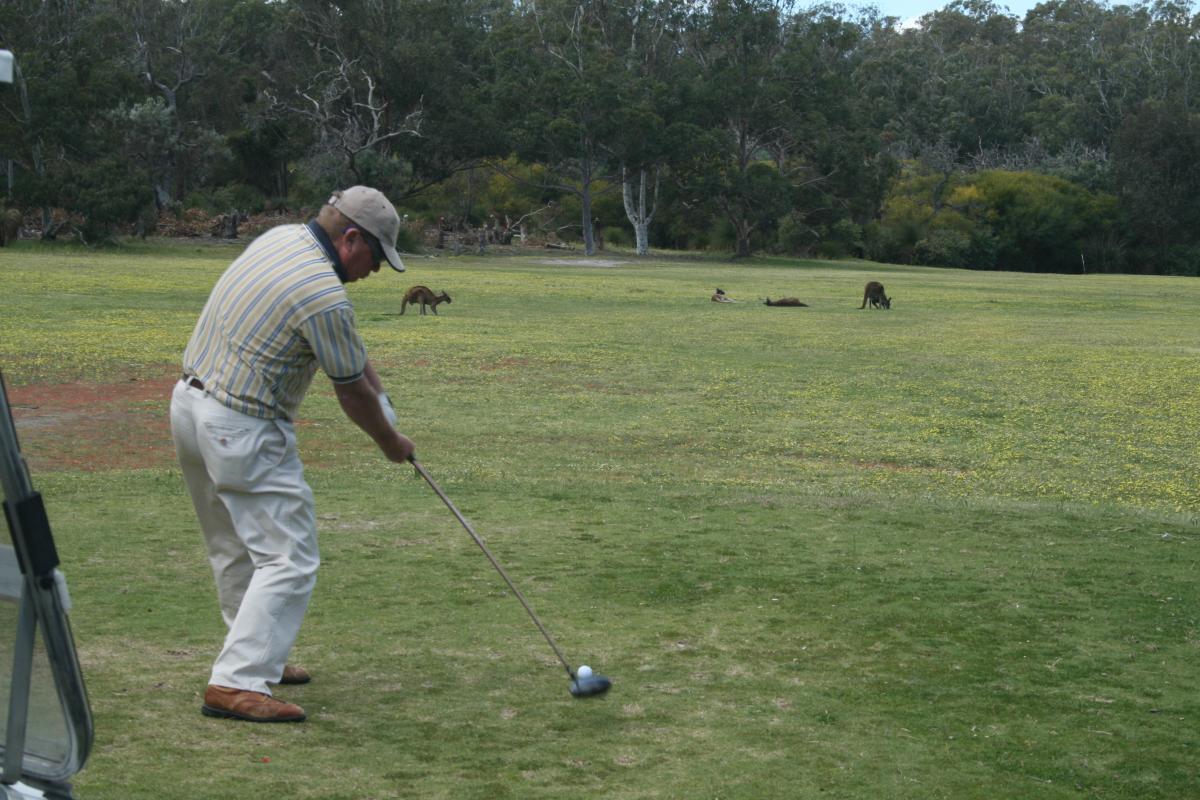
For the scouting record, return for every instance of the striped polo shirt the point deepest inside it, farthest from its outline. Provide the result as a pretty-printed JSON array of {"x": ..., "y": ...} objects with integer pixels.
[{"x": 278, "y": 313}]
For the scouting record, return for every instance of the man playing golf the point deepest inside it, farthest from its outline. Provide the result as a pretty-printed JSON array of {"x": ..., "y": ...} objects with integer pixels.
[{"x": 276, "y": 315}]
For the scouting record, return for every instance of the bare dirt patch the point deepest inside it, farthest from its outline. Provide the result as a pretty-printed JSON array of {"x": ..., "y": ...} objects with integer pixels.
[
  {"x": 95, "y": 426},
  {"x": 584, "y": 262},
  {"x": 504, "y": 364},
  {"x": 892, "y": 466}
]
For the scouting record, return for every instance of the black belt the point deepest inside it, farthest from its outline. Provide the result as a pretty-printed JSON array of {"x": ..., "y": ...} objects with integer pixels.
[{"x": 193, "y": 381}]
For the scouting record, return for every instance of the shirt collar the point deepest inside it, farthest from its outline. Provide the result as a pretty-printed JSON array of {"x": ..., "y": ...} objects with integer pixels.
[{"x": 327, "y": 245}]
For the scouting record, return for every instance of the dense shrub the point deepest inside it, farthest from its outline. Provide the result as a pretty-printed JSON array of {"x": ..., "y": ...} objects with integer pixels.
[
  {"x": 1011, "y": 220},
  {"x": 107, "y": 194},
  {"x": 842, "y": 238},
  {"x": 794, "y": 237},
  {"x": 1180, "y": 259},
  {"x": 1156, "y": 160},
  {"x": 244, "y": 198},
  {"x": 1041, "y": 223},
  {"x": 945, "y": 247}
]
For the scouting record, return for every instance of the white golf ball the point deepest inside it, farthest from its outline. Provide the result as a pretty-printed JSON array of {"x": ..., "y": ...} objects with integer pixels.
[{"x": 583, "y": 672}]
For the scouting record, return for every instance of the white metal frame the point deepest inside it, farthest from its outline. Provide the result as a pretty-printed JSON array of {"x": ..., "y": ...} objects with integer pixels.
[{"x": 29, "y": 574}]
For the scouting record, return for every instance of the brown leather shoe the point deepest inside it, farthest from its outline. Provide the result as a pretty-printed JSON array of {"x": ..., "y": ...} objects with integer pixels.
[
  {"x": 292, "y": 674},
  {"x": 222, "y": 701}
]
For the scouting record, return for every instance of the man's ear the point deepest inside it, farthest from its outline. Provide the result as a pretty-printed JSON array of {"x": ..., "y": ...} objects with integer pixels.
[{"x": 344, "y": 243}]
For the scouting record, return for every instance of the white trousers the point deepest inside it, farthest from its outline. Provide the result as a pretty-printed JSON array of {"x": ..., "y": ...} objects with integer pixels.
[{"x": 257, "y": 516}]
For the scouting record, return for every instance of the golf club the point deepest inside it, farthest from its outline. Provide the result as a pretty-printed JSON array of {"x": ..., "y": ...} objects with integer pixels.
[{"x": 588, "y": 686}]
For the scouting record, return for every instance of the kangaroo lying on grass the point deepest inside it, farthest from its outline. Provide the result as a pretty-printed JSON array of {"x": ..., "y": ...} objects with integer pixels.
[
  {"x": 790, "y": 302},
  {"x": 873, "y": 294},
  {"x": 720, "y": 297},
  {"x": 425, "y": 296}
]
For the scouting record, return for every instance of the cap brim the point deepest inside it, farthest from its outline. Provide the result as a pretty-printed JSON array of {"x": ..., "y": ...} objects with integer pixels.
[{"x": 393, "y": 258}]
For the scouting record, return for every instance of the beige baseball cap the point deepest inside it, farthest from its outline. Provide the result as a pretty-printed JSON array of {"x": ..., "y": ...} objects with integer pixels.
[{"x": 371, "y": 211}]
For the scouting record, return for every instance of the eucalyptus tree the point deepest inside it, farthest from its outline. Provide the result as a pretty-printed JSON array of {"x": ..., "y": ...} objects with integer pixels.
[
  {"x": 194, "y": 59},
  {"x": 444, "y": 65},
  {"x": 827, "y": 149},
  {"x": 983, "y": 76},
  {"x": 955, "y": 76},
  {"x": 1170, "y": 48},
  {"x": 1156, "y": 158},
  {"x": 622, "y": 61},
  {"x": 70, "y": 71},
  {"x": 1156, "y": 146},
  {"x": 1084, "y": 68},
  {"x": 388, "y": 89},
  {"x": 740, "y": 100},
  {"x": 646, "y": 36},
  {"x": 1095, "y": 64},
  {"x": 774, "y": 93},
  {"x": 560, "y": 80}
]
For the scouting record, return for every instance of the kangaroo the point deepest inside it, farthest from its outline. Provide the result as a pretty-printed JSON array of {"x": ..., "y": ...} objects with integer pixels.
[
  {"x": 10, "y": 225},
  {"x": 790, "y": 302},
  {"x": 720, "y": 297},
  {"x": 425, "y": 296},
  {"x": 873, "y": 294}
]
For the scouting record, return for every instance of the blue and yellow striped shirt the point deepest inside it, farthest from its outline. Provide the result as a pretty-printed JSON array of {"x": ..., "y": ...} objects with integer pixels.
[{"x": 277, "y": 313}]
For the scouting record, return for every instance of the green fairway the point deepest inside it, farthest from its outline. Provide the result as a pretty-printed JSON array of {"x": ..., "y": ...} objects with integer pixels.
[{"x": 948, "y": 550}]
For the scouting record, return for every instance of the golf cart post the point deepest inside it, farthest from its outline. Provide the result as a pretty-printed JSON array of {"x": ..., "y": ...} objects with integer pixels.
[
  {"x": 47, "y": 722},
  {"x": 45, "y": 719}
]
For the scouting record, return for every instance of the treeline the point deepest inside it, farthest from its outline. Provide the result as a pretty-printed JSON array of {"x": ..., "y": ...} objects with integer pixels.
[{"x": 1066, "y": 140}]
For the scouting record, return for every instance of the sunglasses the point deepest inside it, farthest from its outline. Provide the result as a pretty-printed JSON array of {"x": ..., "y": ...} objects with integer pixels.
[{"x": 372, "y": 243}]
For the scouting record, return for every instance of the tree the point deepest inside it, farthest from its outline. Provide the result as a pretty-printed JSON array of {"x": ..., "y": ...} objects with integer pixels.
[
  {"x": 560, "y": 77},
  {"x": 833, "y": 159},
  {"x": 956, "y": 77},
  {"x": 740, "y": 101},
  {"x": 995, "y": 218},
  {"x": 1042, "y": 223},
  {"x": 1083, "y": 69},
  {"x": 341, "y": 96},
  {"x": 71, "y": 69},
  {"x": 188, "y": 54},
  {"x": 648, "y": 42},
  {"x": 391, "y": 93},
  {"x": 1157, "y": 168}
]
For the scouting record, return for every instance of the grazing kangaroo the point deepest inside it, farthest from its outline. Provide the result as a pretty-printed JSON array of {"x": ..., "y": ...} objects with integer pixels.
[
  {"x": 790, "y": 302},
  {"x": 425, "y": 296},
  {"x": 10, "y": 225},
  {"x": 873, "y": 294}
]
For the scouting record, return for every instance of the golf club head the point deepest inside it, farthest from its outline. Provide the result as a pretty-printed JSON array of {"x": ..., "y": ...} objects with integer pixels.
[{"x": 590, "y": 686}]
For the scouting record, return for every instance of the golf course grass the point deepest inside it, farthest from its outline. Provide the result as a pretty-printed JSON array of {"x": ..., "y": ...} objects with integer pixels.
[{"x": 950, "y": 550}]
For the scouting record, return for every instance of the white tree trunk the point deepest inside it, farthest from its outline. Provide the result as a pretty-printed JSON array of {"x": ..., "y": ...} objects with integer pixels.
[
  {"x": 35, "y": 151},
  {"x": 637, "y": 213},
  {"x": 589, "y": 237},
  {"x": 585, "y": 197}
]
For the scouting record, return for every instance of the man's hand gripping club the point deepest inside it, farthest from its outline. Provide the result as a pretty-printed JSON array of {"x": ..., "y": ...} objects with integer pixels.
[{"x": 369, "y": 407}]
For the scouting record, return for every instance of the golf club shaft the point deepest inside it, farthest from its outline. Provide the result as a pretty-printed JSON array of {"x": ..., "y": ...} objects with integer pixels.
[{"x": 437, "y": 490}]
